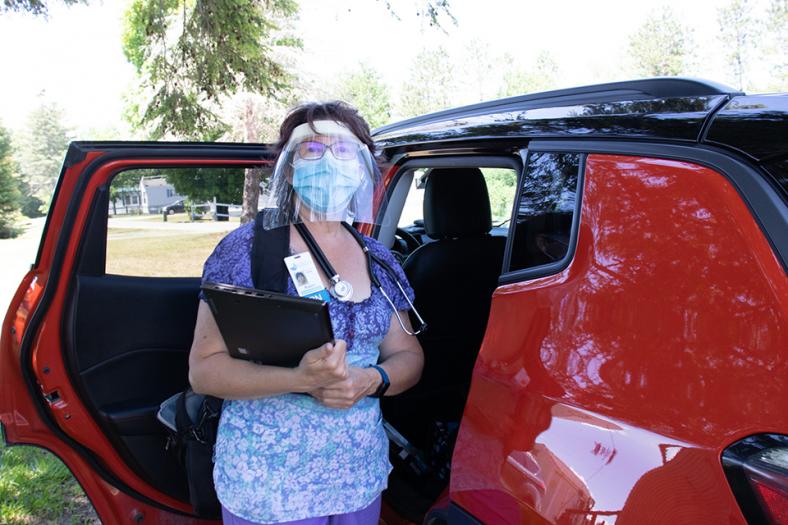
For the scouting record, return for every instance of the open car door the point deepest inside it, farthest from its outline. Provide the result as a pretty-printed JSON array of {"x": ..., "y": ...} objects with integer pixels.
[{"x": 87, "y": 355}]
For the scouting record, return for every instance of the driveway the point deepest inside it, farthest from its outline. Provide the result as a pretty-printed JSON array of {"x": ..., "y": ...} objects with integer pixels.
[{"x": 16, "y": 257}]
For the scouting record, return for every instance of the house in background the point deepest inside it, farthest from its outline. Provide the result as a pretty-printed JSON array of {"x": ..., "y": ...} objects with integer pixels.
[
  {"x": 127, "y": 201},
  {"x": 157, "y": 193}
]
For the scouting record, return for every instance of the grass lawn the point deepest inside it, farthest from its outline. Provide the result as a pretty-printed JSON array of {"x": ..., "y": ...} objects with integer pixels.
[
  {"x": 158, "y": 254},
  {"x": 37, "y": 488}
]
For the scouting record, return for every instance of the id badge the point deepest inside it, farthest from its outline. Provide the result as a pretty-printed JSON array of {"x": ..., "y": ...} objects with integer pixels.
[{"x": 307, "y": 281}]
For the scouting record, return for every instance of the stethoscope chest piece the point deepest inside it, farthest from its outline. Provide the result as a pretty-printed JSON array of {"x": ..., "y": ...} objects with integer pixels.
[{"x": 342, "y": 290}]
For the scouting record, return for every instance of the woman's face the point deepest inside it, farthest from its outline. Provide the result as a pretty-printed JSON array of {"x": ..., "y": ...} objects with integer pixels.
[{"x": 326, "y": 172}]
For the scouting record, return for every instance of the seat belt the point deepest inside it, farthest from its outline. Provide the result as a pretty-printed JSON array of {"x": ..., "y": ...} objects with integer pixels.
[{"x": 269, "y": 248}]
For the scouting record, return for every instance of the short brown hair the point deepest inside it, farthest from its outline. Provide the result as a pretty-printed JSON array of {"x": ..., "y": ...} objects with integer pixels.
[{"x": 335, "y": 110}]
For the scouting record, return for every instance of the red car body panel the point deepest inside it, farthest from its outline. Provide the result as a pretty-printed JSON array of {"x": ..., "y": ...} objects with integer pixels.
[
  {"x": 606, "y": 393},
  {"x": 24, "y": 425}
]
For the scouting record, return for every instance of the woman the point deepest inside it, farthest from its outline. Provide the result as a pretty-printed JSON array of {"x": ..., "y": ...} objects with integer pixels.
[{"x": 285, "y": 457}]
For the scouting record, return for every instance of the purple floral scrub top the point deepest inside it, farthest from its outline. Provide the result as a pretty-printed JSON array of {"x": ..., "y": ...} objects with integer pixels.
[{"x": 289, "y": 457}]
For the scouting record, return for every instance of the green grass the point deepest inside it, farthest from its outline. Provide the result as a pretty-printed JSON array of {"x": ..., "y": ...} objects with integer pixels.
[
  {"x": 37, "y": 488},
  {"x": 159, "y": 254}
]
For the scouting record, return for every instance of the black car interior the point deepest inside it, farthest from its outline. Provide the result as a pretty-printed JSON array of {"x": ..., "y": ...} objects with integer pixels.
[{"x": 128, "y": 338}]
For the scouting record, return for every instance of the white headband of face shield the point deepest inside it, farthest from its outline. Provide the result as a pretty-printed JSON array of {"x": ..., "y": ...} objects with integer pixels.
[{"x": 322, "y": 127}]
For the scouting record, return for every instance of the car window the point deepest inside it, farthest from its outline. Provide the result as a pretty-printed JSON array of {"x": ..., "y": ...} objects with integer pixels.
[
  {"x": 165, "y": 222},
  {"x": 545, "y": 210},
  {"x": 501, "y": 187}
]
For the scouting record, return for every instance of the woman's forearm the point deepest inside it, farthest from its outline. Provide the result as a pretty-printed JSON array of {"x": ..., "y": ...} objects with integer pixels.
[
  {"x": 225, "y": 377},
  {"x": 404, "y": 370}
]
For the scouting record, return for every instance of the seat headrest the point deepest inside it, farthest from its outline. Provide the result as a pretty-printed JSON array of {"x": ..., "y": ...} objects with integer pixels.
[{"x": 456, "y": 203}]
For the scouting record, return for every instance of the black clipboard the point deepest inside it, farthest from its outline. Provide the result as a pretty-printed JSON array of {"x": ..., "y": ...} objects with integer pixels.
[{"x": 268, "y": 328}]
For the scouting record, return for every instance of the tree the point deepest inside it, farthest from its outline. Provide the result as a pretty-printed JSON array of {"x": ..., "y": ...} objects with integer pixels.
[
  {"x": 40, "y": 152},
  {"x": 9, "y": 193},
  {"x": 365, "y": 90},
  {"x": 36, "y": 7},
  {"x": 191, "y": 55},
  {"x": 479, "y": 67},
  {"x": 432, "y": 11},
  {"x": 737, "y": 34},
  {"x": 661, "y": 46},
  {"x": 541, "y": 76},
  {"x": 777, "y": 27},
  {"x": 429, "y": 84}
]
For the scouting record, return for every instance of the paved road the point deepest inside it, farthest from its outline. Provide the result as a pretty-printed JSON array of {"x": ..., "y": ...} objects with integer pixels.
[{"x": 16, "y": 256}]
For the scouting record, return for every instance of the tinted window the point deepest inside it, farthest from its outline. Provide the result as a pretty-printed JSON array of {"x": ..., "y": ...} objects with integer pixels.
[{"x": 545, "y": 210}]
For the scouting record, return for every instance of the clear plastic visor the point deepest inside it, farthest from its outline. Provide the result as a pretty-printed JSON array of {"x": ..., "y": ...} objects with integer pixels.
[{"x": 324, "y": 173}]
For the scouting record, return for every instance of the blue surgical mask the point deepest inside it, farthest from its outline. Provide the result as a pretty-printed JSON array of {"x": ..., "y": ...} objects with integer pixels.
[{"x": 326, "y": 185}]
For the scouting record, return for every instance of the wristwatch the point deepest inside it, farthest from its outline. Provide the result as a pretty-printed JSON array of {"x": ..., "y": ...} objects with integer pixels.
[{"x": 384, "y": 385}]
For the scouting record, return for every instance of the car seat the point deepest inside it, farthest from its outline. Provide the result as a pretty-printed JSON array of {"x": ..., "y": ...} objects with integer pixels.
[{"x": 453, "y": 279}]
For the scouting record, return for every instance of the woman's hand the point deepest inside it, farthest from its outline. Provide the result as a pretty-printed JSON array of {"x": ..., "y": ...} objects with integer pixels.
[
  {"x": 324, "y": 365},
  {"x": 360, "y": 383}
]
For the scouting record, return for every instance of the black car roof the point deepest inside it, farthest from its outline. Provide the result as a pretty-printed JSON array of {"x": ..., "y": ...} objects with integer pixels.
[{"x": 667, "y": 108}]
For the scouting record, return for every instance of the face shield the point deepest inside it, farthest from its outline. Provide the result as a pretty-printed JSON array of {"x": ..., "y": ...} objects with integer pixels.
[{"x": 324, "y": 173}]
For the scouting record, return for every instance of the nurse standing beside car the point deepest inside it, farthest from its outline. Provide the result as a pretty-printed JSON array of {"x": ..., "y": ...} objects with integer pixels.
[{"x": 284, "y": 457}]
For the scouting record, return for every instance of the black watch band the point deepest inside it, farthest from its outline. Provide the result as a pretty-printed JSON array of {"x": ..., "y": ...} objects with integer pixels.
[{"x": 384, "y": 385}]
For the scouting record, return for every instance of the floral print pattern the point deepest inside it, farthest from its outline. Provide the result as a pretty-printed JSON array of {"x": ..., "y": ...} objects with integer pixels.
[{"x": 289, "y": 457}]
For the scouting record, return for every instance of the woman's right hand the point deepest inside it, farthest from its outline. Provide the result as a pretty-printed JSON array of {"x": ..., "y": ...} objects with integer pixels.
[{"x": 324, "y": 365}]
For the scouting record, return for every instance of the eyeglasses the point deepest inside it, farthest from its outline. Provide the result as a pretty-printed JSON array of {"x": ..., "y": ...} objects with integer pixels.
[{"x": 341, "y": 149}]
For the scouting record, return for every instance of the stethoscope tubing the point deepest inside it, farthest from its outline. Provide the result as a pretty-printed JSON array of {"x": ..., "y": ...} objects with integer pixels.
[{"x": 334, "y": 276}]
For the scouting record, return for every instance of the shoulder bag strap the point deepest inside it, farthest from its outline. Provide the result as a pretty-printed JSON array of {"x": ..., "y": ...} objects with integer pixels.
[{"x": 269, "y": 248}]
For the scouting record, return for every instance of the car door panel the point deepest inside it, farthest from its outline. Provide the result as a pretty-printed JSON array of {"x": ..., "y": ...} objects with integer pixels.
[
  {"x": 97, "y": 353},
  {"x": 607, "y": 392}
]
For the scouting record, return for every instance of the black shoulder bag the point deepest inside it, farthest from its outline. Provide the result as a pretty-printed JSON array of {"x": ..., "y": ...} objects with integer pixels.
[{"x": 193, "y": 419}]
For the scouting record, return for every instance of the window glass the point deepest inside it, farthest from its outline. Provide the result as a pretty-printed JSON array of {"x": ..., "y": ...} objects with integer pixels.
[
  {"x": 545, "y": 210},
  {"x": 501, "y": 187},
  {"x": 166, "y": 222}
]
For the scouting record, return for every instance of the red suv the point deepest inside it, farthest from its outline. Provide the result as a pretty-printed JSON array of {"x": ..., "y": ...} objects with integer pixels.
[{"x": 603, "y": 273}]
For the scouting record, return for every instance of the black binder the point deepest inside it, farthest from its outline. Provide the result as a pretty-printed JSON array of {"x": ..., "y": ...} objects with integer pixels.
[{"x": 268, "y": 328}]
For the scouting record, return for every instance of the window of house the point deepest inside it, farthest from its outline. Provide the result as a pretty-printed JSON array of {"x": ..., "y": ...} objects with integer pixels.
[
  {"x": 545, "y": 210},
  {"x": 170, "y": 193}
]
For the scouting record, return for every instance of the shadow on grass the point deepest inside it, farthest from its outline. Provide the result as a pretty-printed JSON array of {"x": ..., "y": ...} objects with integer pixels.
[{"x": 37, "y": 488}]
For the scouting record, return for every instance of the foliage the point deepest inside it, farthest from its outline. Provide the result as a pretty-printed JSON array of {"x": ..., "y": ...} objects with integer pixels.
[
  {"x": 365, "y": 90},
  {"x": 203, "y": 184},
  {"x": 738, "y": 35},
  {"x": 40, "y": 151},
  {"x": 661, "y": 46},
  {"x": 432, "y": 11},
  {"x": 501, "y": 185},
  {"x": 429, "y": 85},
  {"x": 190, "y": 54},
  {"x": 777, "y": 27},
  {"x": 36, "y": 7},
  {"x": 541, "y": 76},
  {"x": 479, "y": 67},
  {"x": 10, "y": 196}
]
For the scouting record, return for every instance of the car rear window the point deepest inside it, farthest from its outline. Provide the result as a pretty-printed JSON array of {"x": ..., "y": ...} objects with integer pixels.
[{"x": 545, "y": 210}]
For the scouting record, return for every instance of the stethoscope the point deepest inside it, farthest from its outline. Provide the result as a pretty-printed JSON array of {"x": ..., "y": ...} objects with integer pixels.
[{"x": 343, "y": 290}]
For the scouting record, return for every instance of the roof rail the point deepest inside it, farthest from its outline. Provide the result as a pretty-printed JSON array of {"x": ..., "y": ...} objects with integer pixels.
[{"x": 643, "y": 89}]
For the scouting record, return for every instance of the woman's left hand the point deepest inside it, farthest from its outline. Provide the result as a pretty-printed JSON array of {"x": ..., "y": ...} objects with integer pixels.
[{"x": 360, "y": 383}]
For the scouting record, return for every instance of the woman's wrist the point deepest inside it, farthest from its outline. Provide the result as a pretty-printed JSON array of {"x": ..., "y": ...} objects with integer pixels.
[{"x": 375, "y": 379}]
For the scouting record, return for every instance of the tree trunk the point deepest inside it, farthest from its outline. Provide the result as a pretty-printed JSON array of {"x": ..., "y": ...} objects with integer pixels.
[{"x": 252, "y": 176}]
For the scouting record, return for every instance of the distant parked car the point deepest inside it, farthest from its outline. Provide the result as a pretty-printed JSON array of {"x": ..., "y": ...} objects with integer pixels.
[
  {"x": 176, "y": 207},
  {"x": 615, "y": 351}
]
